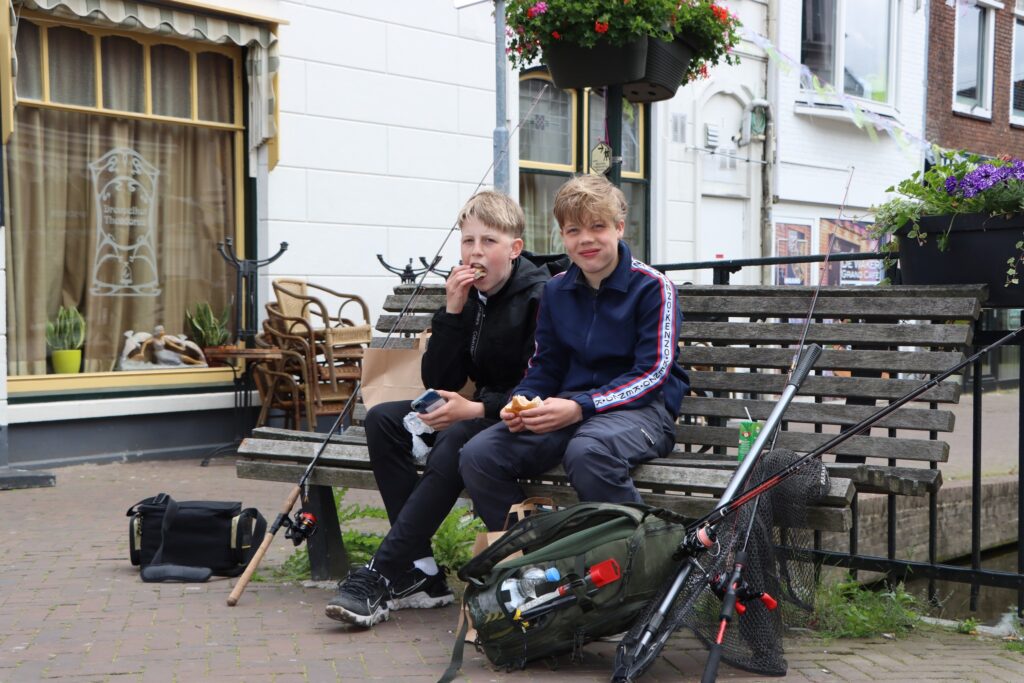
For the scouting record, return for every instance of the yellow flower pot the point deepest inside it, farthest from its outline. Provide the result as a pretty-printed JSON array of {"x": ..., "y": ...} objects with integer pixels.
[{"x": 67, "y": 361}]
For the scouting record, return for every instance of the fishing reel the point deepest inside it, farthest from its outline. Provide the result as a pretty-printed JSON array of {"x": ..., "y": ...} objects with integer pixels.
[
  {"x": 719, "y": 584},
  {"x": 300, "y": 528},
  {"x": 699, "y": 540}
]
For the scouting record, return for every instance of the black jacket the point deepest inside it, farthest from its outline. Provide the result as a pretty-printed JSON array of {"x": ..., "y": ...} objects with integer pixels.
[{"x": 488, "y": 342}]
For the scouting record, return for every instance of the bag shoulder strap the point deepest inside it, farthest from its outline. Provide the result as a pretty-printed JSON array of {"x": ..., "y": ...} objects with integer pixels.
[
  {"x": 457, "y": 649},
  {"x": 156, "y": 571},
  {"x": 538, "y": 527}
]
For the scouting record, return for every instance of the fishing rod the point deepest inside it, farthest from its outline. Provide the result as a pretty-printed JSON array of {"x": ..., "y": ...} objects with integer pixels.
[{"x": 304, "y": 523}]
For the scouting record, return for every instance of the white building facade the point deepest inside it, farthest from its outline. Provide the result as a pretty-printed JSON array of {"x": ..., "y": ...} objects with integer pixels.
[{"x": 385, "y": 127}]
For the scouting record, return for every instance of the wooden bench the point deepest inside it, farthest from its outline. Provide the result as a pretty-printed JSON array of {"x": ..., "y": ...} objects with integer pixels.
[{"x": 738, "y": 343}]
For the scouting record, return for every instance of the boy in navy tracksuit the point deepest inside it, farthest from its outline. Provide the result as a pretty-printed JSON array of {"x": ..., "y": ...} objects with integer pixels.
[{"x": 605, "y": 367}]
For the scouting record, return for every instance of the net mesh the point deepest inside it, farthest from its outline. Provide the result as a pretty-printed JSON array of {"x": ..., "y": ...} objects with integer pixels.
[{"x": 779, "y": 563}]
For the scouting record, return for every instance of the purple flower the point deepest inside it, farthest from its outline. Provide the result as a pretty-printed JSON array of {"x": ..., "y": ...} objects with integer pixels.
[{"x": 951, "y": 184}]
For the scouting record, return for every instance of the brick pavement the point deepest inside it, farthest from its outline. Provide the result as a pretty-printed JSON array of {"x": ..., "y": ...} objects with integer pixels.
[{"x": 72, "y": 608}]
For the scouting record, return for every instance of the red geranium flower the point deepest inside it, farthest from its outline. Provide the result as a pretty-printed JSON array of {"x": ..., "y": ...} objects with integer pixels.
[
  {"x": 601, "y": 26},
  {"x": 556, "y": 35},
  {"x": 721, "y": 13}
]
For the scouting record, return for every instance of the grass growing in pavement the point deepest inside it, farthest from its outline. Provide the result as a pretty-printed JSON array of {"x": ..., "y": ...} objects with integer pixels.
[{"x": 846, "y": 609}]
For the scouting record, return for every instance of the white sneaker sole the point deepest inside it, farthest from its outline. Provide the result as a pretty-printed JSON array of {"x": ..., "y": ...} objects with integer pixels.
[
  {"x": 421, "y": 601},
  {"x": 339, "y": 613}
]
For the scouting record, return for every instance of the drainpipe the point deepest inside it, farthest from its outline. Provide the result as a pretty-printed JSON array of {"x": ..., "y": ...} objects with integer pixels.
[
  {"x": 766, "y": 169},
  {"x": 501, "y": 179}
]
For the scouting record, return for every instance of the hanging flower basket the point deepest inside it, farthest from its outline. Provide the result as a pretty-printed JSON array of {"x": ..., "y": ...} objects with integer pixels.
[
  {"x": 977, "y": 253},
  {"x": 666, "y": 67},
  {"x": 575, "y": 66}
]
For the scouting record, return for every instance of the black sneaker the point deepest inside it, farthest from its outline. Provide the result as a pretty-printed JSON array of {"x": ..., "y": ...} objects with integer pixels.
[
  {"x": 418, "y": 590},
  {"x": 362, "y": 599}
]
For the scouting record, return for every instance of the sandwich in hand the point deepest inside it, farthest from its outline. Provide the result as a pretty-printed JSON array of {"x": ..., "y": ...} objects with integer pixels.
[
  {"x": 479, "y": 272},
  {"x": 520, "y": 403}
]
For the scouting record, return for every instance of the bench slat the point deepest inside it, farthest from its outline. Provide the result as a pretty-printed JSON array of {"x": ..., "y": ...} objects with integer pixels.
[
  {"x": 861, "y": 334},
  {"x": 648, "y": 475},
  {"x": 866, "y": 387},
  {"x": 886, "y": 291},
  {"x": 803, "y": 442},
  {"x": 819, "y": 517},
  {"x": 864, "y": 308},
  {"x": 887, "y": 361},
  {"x": 820, "y": 413}
]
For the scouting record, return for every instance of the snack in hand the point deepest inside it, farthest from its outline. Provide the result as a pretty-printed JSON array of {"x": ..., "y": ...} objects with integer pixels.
[
  {"x": 520, "y": 403},
  {"x": 479, "y": 272}
]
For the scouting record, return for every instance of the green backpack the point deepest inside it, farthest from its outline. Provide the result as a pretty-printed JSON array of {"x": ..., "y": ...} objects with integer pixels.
[{"x": 637, "y": 540}]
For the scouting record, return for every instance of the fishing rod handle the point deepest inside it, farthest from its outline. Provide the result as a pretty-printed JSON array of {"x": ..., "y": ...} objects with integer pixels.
[
  {"x": 711, "y": 666},
  {"x": 257, "y": 557},
  {"x": 808, "y": 358}
]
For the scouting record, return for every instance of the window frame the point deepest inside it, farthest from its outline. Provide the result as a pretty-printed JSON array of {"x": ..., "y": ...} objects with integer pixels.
[
  {"x": 888, "y": 107},
  {"x": 51, "y": 386},
  {"x": 984, "y": 110},
  {"x": 1018, "y": 20},
  {"x": 580, "y": 111}
]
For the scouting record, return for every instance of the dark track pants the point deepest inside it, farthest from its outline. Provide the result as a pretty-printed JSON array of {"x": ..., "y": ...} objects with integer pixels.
[
  {"x": 597, "y": 455},
  {"x": 416, "y": 504}
]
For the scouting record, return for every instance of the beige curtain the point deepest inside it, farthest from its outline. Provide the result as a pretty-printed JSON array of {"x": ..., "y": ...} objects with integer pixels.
[{"x": 165, "y": 226}]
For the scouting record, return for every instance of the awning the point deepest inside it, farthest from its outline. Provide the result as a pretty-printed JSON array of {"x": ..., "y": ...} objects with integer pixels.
[{"x": 259, "y": 41}]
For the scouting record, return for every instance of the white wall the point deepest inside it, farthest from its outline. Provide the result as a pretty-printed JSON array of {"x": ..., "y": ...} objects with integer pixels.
[
  {"x": 706, "y": 201},
  {"x": 387, "y": 113}
]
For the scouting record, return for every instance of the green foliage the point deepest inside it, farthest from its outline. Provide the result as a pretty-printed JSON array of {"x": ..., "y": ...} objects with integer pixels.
[
  {"x": 957, "y": 184},
  {"x": 1014, "y": 646},
  {"x": 452, "y": 543},
  {"x": 207, "y": 329},
  {"x": 967, "y": 626},
  {"x": 848, "y": 610},
  {"x": 67, "y": 331},
  {"x": 534, "y": 25}
]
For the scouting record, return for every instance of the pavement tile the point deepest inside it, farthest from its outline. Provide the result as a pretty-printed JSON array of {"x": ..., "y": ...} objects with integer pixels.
[{"x": 72, "y": 608}]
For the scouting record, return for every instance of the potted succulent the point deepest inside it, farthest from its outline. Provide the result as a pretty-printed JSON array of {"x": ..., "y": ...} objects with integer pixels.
[
  {"x": 65, "y": 335},
  {"x": 208, "y": 330},
  {"x": 971, "y": 210},
  {"x": 650, "y": 47}
]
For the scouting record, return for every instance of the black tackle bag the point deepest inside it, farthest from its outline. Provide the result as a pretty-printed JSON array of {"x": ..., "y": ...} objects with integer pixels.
[
  {"x": 638, "y": 539},
  {"x": 191, "y": 540}
]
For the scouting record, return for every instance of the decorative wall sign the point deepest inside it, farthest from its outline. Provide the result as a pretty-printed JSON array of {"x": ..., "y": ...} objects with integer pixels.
[{"x": 125, "y": 187}]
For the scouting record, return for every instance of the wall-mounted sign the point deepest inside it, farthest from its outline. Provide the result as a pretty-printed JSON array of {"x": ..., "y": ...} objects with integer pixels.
[{"x": 600, "y": 158}]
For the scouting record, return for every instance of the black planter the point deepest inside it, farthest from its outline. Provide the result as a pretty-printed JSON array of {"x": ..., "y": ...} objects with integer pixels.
[
  {"x": 666, "y": 65},
  {"x": 979, "y": 246},
  {"x": 572, "y": 66}
]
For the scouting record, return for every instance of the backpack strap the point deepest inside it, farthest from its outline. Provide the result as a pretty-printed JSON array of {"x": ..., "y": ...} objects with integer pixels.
[
  {"x": 156, "y": 571},
  {"x": 458, "y": 649},
  {"x": 536, "y": 528}
]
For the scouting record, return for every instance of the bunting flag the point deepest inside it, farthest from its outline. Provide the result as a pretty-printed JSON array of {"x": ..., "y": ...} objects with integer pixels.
[{"x": 865, "y": 119}]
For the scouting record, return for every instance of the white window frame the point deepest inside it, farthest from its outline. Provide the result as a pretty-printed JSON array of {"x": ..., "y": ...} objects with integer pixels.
[
  {"x": 1018, "y": 18},
  {"x": 984, "y": 111},
  {"x": 839, "y": 57}
]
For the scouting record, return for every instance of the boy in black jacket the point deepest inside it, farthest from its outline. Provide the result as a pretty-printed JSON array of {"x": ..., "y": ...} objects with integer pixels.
[{"x": 484, "y": 333}]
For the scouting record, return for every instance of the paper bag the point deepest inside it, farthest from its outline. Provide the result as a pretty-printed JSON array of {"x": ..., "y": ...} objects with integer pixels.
[{"x": 394, "y": 374}]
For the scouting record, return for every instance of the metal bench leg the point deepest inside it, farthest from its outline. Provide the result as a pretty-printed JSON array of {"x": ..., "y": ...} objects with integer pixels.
[{"x": 328, "y": 558}]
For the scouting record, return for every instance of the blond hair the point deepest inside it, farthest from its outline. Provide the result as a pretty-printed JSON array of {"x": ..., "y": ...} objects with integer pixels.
[
  {"x": 589, "y": 196},
  {"x": 495, "y": 210}
]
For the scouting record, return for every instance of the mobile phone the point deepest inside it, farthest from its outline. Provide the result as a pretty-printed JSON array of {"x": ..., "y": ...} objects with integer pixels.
[{"x": 428, "y": 401}]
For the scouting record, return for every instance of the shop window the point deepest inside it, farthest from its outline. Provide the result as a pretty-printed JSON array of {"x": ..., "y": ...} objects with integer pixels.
[
  {"x": 551, "y": 151},
  {"x": 118, "y": 191},
  {"x": 172, "y": 95},
  {"x": 65, "y": 47},
  {"x": 123, "y": 76}
]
